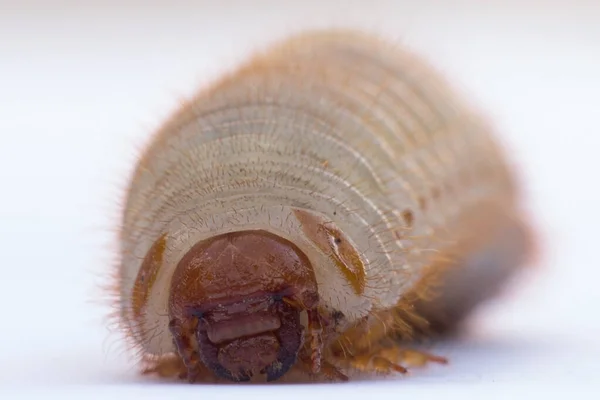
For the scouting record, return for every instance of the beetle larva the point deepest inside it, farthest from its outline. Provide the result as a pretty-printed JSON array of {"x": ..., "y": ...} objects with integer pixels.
[{"x": 293, "y": 219}]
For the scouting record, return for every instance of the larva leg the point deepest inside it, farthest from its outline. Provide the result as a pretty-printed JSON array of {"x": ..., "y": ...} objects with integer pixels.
[
  {"x": 173, "y": 366},
  {"x": 170, "y": 366},
  {"x": 392, "y": 356},
  {"x": 385, "y": 358},
  {"x": 316, "y": 340},
  {"x": 311, "y": 357},
  {"x": 376, "y": 363},
  {"x": 333, "y": 372},
  {"x": 329, "y": 370},
  {"x": 411, "y": 357},
  {"x": 183, "y": 336}
]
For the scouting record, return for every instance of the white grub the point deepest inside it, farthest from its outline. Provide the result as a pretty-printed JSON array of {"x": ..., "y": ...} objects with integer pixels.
[{"x": 343, "y": 126}]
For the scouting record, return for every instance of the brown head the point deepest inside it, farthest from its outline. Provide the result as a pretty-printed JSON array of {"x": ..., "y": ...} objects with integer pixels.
[{"x": 235, "y": 304}]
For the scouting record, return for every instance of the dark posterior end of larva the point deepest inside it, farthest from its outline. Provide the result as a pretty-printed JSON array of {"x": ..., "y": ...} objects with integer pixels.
[
  {"x": 478, "y": 276},
  {"x": 239, "y": 297}
]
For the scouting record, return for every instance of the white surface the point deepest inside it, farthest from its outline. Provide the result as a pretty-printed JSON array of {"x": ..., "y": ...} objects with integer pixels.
[{"x": 81, "y": 87}]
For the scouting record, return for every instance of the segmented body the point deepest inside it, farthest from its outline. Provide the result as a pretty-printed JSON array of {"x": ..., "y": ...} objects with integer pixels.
[{"x": 337, "y": 130}]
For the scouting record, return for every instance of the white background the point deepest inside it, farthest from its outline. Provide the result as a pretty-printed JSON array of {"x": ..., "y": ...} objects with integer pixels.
[{"x": 84, "y": 84}]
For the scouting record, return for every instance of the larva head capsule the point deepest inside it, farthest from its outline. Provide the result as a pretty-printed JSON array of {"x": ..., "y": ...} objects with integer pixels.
[{"x": 235, "y": 302}]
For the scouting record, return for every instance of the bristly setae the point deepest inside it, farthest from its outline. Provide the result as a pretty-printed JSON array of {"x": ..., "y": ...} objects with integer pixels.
[{"x": 310, "y": 213}]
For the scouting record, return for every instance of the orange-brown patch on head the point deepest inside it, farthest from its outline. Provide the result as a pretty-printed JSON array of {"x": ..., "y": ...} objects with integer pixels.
[
  {"x": 147, "y": 275},
  {"x": 333, "y": 242}
]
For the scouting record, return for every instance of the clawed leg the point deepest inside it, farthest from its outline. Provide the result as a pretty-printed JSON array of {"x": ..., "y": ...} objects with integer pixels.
[
  {"x": 386, "y": 360},
  {"x": 327, "y": 369},
  {"x": 170, "y": 366},
  {"x": 316, "y": 340},
  {"x": 414, "y": 357},
  {"x": 372, "y": 347},
  {"x": 188, "y": 348},
  {"x": 376, "y": 363},
  {"x": 332, "y": 372}
]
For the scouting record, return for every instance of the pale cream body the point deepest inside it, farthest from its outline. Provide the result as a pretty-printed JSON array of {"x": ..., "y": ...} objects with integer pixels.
[{"x": 351, "y": 129}]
